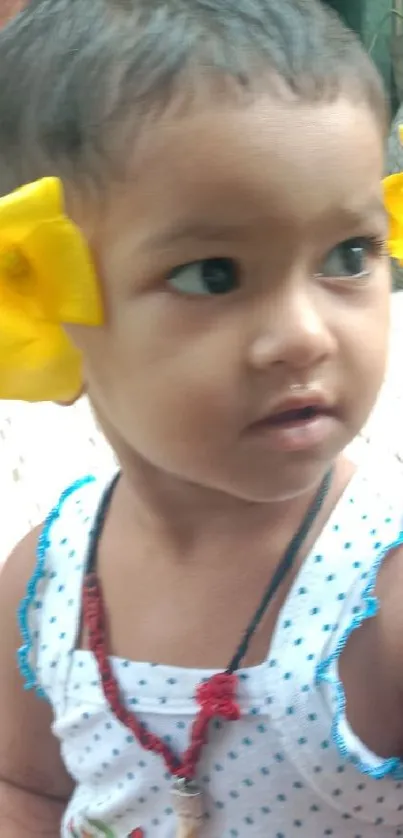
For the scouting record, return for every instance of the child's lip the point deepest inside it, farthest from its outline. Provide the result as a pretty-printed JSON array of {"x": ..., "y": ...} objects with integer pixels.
[
  {"x": 295, "y": 432},
  {"x": 292, "y": 408}
]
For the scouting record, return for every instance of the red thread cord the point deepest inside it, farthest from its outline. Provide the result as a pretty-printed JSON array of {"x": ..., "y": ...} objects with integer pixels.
[{"x": 216, "y": 697}]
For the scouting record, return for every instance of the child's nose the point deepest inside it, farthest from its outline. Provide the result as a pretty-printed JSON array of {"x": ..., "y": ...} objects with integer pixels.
[{"x": 294, "y": 333}]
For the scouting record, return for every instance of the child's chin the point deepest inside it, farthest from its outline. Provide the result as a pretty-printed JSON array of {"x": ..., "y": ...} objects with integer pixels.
[{"x": 276, "y": 487}]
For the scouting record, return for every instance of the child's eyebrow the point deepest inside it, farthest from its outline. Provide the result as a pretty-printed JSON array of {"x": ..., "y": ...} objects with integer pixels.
[
  {"x": 373, "y": 210},
  {"x": 203, "y": 231},
  {"x": 197, "y": 231}
]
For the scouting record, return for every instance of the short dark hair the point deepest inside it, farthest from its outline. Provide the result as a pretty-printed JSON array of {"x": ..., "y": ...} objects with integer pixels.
[{"x": 75, "y": 72}]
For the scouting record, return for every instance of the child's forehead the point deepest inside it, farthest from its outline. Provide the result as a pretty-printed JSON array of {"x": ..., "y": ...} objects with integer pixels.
[{"x": 221, "y": 166}]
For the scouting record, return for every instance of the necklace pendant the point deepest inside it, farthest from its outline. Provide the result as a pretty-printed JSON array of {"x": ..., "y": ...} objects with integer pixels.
[{"x": 188, "y": 804}]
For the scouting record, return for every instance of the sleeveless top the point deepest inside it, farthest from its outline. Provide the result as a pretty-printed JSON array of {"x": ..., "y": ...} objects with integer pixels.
[{"x": 292, "y": 767}]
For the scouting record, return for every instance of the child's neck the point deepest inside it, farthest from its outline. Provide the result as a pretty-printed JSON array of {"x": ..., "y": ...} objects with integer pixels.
[{"x": 188, "y": 518}]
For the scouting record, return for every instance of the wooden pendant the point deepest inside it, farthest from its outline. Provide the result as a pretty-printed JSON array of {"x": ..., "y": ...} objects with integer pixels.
[{"x": 188, "y": 804}]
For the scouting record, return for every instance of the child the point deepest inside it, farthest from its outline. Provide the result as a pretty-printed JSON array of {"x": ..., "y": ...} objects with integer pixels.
[{"x": 204, "y": 629}]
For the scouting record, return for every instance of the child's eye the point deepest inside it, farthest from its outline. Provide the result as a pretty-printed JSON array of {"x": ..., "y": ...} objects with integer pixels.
[
  {"x": 351, "y": 259},
  {"x": 209, "y": 276}
]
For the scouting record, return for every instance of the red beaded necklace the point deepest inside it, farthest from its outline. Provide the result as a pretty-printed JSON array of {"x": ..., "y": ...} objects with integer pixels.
[{"x": 216, "y": 697}]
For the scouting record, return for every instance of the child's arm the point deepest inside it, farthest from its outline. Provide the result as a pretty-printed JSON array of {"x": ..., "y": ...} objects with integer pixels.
[
  {"x": 26, "y": 815},
  {"x": 34, "y": 786}
]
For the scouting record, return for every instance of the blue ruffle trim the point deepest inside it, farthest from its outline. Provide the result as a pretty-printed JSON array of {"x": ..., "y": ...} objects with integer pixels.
[
  {"x": 392, "y": 767},
  {"x": 44, "y": 542}
]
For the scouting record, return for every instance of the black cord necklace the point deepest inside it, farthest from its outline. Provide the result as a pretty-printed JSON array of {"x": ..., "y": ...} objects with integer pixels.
[
  {"x": 284, "y": 566},
  {"x": 281, "y": 572},
  {"x": 217, "y": 697}
]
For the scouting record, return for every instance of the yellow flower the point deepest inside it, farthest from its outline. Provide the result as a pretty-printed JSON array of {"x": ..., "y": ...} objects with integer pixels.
[
  {"x": 47, "y": 279},
  {"x": 393, "y": 197}
]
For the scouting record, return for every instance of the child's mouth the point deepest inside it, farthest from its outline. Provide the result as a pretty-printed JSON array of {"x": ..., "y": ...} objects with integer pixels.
[
  {"x": 296, "y": 428},
  {"x": 296, "y": 416}
]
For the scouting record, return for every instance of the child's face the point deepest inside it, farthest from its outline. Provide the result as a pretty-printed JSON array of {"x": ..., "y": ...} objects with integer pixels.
[{"x": 259, "y": 201}]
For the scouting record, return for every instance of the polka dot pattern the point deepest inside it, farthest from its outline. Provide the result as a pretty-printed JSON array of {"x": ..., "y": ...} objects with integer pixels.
[{"x": 291, "y": 767}]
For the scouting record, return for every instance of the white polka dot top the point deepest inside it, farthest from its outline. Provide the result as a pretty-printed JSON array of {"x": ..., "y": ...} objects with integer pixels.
[{"x": 292, "y": 766}]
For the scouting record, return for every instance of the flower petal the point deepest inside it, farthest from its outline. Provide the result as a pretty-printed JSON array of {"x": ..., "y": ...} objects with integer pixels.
[
  {"x": 47, "y": 278},
  {"x": 26, "y": 207},
  {"x": 37, "y": 363},
  {"x": 393, "y": 196},
  {"x": 67, "y": 282},
  {"x": 393, "y": 199}
]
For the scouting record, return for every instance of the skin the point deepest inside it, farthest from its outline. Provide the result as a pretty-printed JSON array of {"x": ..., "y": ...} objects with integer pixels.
[
  {"x": 220, "y": 362},
  {"x": 177, "y": 381}
]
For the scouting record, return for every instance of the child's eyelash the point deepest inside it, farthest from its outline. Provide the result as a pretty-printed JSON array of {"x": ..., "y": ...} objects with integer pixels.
[{"x": 377, "y": 245}]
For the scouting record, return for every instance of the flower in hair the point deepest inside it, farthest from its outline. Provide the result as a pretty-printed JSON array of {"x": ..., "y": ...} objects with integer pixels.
[
  {"x": 47, "y": 279},
  {"x": 393, "y": 198}
]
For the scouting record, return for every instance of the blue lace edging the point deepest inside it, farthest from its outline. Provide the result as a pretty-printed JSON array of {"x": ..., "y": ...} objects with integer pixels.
[
  {"x": 388, "y": 767},
  {"x": 23, "y": 655}
]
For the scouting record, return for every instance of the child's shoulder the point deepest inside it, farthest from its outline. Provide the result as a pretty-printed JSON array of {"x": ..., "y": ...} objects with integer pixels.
[
  {"x": 376, "y": 490},
  {"x": 70, "y": 521},
  {"x": 29, "y": 755},
  {"x": 389, "y": 597},
  {"x": 374, "y": 516},
  {"x": 53, "y": 562},
  {"x": 366, "y": 646}
]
